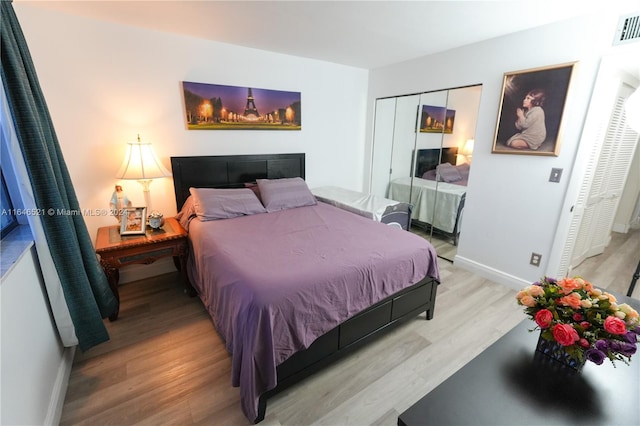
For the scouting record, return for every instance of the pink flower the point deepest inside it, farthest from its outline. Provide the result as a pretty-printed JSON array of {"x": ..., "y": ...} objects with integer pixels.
[
  {"x": 535, "y": 290},
  {"x": 583, "y": 342},
  {"x": 615, "y": 325},
  {"x": 544, "y": 318},
  {"x": 568, "y": 285},
  {"x": 578, "y": 316},
  {"x": 565, "y": 334},
  {"x": 528, "y": 301},
  {"x": 572, "y": 300},
  {"x": 588, "y": 287},
  {"x": 585, "y": 324}
]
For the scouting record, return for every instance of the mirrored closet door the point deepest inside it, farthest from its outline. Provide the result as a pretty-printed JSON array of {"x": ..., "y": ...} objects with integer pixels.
[{"x": 422, "y": 154}]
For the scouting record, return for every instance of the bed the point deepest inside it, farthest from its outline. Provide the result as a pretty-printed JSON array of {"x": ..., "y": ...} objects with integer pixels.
[
  {"x": 383, "y": 210},
  {"x": 436, "y": 182},
  {"x": 281, "y": 286}
]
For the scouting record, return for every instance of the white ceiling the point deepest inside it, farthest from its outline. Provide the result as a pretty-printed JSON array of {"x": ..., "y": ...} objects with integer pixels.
[{"x": 365, "y": 34}]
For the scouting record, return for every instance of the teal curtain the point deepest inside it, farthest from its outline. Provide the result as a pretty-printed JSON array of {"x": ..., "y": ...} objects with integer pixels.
[{"x": 85, "y": 287}]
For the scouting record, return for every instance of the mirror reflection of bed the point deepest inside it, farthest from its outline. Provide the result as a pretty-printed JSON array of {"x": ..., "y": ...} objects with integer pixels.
[
  {"x": 422, "y": 155},
  {"x": 437, "y": 191}
]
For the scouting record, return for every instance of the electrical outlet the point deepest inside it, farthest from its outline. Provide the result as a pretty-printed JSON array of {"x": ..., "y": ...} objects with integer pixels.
[
  {"x": 535, "y": 259},
  {"x": 555, "y": 175}
]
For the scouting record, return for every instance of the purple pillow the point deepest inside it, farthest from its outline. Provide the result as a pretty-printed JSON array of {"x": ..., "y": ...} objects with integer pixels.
[
  {"x": 429, "y": 174},
  {"x": 286, "y": 193},
  {"x": 213, "y": 203},
  {"x": 448, "y": 173},
  {"x": 186, "y": 213},
  {"x": 463, "y": 169},
  {"x": 254, "y": 187}
]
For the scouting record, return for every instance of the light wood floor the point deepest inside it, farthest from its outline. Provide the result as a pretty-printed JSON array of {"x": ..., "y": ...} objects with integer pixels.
[
  {"x": 166, "y": 365},
  {"x": 614, "y": 268},
  {"x": 442, "y": 243}
]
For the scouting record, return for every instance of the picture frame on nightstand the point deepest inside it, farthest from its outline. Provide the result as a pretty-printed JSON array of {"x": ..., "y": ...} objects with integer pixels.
[{"x": 134, "y": 221}]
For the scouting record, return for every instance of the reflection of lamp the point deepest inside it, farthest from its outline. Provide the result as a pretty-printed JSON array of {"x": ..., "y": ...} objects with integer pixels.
[
  {"x": 141, "y": 163},
  {"x": 632, "y": 110},
  {"x": 467, "y": 150}
]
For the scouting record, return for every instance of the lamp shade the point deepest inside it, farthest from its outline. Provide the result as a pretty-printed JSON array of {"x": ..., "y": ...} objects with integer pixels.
[
  {"x": 140, "y": 162},
  {"x": 632, "y": 110},
  {"x": 467, "y": 148}
]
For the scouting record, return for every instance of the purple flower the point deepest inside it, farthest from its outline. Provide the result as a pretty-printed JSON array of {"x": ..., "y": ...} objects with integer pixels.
[
  {"x": 595, "y": 356},
  {"x": 627, "y": 349},
  {"x": 630, "y": 337},
  {"x": 615, "y": 345},
  {"x": 602, "y": 345}
]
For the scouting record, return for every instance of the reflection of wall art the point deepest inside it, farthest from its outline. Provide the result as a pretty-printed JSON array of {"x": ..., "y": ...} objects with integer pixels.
[
  {"x": 217, "y": 107},
  {"x": 531, "y": 109},
  {"x": 437, "y": 119}
]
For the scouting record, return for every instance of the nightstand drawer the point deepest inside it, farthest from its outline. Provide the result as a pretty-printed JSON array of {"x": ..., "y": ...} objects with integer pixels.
[{"x": 147, "y": 257}]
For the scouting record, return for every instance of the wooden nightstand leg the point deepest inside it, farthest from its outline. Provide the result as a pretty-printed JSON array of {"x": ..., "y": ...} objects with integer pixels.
[
  {"x": 181, "y": 265},
  {"x": 113, "y": 276}
]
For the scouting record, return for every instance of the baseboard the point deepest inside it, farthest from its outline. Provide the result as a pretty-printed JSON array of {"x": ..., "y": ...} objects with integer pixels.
[
  {"x": 621, "y": 228},
  {"x": 490, "y": 273},
  {"x": 54, "y": 412},
  {"x": 139, "y": 272}
]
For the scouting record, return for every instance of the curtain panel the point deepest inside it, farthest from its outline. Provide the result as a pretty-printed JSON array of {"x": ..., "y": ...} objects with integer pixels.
[{"x": 84, "y": 285}]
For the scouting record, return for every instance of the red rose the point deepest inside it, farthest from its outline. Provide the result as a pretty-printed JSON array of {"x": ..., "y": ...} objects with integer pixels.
[
  {"x": 585, "y": 324},
  {"x": 543, "y": 318},
  {"x": 577, "y": 317},
  {"x": 565, "y": 334},
  {"x": 615, "y": 325}
]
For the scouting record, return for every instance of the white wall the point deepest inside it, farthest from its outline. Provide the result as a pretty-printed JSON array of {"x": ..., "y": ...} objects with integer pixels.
[
  {"x": 35, "y": 366},
  {"x": 511, "y": 210},
  {"x": 105, "y": 83}
]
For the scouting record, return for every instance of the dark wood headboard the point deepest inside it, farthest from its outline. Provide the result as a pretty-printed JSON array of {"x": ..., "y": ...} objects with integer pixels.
[
  {"x": 428, "y": 159},
  {"x": 231, "y": 171}
]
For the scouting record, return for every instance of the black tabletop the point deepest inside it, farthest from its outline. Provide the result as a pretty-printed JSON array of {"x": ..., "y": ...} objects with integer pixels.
[{"x": 504, "y": 385}]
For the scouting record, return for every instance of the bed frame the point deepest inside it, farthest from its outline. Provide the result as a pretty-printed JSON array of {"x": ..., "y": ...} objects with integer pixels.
[{"x": 236, "y": 170}]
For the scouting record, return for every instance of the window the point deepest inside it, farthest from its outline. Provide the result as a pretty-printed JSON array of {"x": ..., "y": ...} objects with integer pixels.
[{"x": 8, "y": 219}]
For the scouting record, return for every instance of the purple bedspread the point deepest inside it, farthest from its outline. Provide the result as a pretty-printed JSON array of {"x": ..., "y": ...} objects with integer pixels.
[{"x": 274, "y": 282}]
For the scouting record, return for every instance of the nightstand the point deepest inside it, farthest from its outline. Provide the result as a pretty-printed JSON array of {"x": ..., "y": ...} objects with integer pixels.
[{"x": 117, "y": 250}]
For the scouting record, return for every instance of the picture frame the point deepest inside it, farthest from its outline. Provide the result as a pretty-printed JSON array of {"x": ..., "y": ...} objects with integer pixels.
[
  {"x": 531, "y": 109},
  {"x": 436, "y": 119},
  {"x": 221, "y": 107},
  {"x": 133, "y": 221}
]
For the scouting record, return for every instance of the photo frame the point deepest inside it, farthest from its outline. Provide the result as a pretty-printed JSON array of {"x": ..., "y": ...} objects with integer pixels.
[
  {"x": 531, "y": 109},
  {"x": 220, "y": 107},
  {"x": 133, "y": 221},
  {"x": 436, "y": 119}
]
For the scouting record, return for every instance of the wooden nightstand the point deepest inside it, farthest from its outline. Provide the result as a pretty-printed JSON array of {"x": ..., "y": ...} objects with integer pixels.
[{"x": 117, "y": 250}]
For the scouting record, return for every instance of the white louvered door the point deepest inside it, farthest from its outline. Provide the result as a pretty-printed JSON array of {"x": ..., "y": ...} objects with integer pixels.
[{"x": 600, "y": 193}]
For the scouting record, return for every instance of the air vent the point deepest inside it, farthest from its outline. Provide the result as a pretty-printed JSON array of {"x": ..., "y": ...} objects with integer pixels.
[{"x": 628, "y": 29}]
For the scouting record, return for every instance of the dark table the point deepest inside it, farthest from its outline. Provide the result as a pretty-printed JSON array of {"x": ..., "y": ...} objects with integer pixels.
[{"x": 504, "y": 385}]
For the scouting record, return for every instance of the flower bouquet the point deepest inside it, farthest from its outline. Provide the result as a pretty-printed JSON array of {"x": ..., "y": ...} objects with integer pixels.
[{"x": 587, "y": 322}]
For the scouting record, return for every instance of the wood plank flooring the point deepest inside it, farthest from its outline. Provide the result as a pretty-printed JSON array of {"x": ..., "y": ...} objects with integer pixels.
[
  {"x": 614, "y": 268},
  {"x": 166, "y": 365}
]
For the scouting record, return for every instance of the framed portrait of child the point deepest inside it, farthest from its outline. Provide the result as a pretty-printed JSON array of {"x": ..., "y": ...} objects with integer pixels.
[{"x": 531, "y": 109}]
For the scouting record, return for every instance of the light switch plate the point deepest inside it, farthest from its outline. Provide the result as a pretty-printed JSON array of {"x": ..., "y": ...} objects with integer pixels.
[{"x": 555, "y": 175}]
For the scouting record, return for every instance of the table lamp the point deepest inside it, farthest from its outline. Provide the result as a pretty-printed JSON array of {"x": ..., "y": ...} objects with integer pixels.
[
  {"x": 142, "y": 164},
  {"x": 467, "y": 150}
]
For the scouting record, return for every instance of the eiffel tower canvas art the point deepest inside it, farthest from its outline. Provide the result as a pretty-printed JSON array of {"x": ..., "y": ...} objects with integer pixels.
[{"x": 219, "y": 107}]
